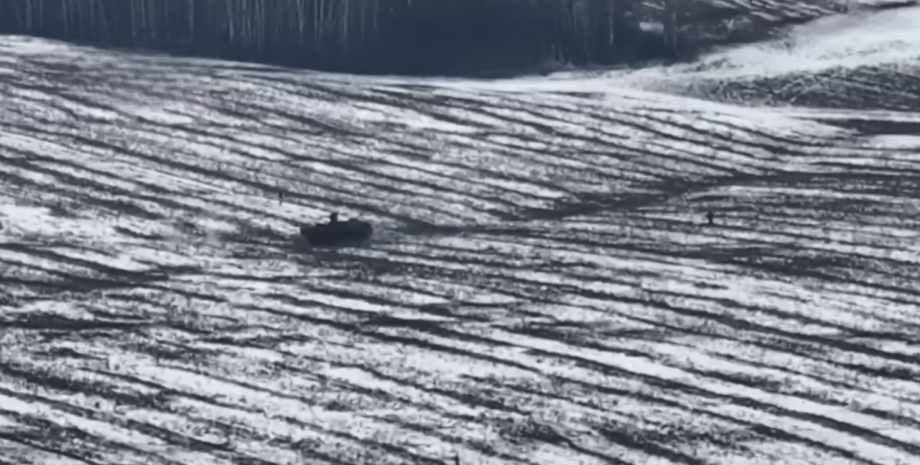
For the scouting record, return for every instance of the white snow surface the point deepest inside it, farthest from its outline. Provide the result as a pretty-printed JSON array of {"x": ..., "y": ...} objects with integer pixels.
[{"x": 541, "y": 289}]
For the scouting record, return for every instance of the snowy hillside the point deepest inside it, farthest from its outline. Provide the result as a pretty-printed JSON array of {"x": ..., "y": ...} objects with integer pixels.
[
  {"x": 705, "y": 23},
  {"x": 543, "y": 288}
]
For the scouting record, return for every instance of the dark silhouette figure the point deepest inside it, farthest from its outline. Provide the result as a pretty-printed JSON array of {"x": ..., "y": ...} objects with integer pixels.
[
  {"x": 333, "y": 217},
  {"x": 456, "y": 459},
  {"x": 280, "y": 197},
  {"x": 710, "y": 216}
]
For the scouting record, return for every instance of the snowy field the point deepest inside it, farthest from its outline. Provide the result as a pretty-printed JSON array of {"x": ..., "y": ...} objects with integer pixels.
[{"x": 543, "y": 288}]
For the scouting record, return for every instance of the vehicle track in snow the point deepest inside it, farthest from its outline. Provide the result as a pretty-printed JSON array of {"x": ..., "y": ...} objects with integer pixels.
[{"x": 543, "y": 289}]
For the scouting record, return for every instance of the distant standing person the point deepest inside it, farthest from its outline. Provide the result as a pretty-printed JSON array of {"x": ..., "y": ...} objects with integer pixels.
[
  {"x": 333, "y": 217},
  {"x": 710, "y": 217}
]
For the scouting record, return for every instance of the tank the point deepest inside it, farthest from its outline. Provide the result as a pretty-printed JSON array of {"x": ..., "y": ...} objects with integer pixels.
[{"x": 337, "y": 233}]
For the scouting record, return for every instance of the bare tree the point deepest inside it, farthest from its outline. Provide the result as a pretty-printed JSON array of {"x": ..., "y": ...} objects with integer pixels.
[{"x": 360, "y": 35}]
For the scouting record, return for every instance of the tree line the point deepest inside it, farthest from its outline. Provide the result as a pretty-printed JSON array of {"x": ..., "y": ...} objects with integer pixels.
[{"x": 361, "y": 36}]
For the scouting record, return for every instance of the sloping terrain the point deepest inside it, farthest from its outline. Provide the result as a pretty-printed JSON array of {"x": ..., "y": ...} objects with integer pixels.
[
  {"x": 712, "y": 22},
  {"x": 864, "y": 61},
  {"x": 543, "y": 288}
]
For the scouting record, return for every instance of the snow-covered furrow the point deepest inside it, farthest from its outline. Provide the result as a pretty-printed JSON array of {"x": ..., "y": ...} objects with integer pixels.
[{"x": 543, "y": 287}]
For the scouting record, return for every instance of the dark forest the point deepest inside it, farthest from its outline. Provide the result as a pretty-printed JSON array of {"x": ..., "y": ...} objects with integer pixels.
[{"x": 464, "y": 37}]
